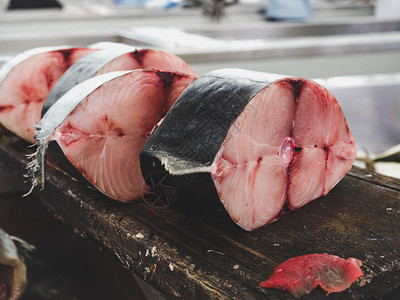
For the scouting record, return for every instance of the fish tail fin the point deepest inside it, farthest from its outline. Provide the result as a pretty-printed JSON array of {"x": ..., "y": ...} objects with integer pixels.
[{"x": 36, "y": 168}]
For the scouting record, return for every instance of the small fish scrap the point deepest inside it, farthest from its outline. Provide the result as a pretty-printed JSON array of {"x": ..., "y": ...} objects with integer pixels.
[{"x": 300, "y": 275}]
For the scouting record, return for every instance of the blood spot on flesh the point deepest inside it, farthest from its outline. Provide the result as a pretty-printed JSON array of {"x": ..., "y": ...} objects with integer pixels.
[
  {"x": 259, "y": 159},
  {"x": 119, "y": 131},
  {"x": 67, "y": 55},
  {"x": 139, "y": 55},
  {"x": 27, "y": 90},
  {"x": 68, "y": 134},
  {"x": 30, "y": 95},
  {"x": 112, "y": 127},
  {"x": 4, "y": 108},
  {"x": 297, "y": 85},
  {"x": 49, "y": 79},
  {"x": 168, "y": 78}
]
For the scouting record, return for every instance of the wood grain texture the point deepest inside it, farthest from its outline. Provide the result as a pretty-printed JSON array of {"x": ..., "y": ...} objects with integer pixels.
[{"x": 195, "y": 258}]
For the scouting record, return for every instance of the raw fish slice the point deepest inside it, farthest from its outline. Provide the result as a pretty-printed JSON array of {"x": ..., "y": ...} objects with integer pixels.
[
  {"x": 300, "y": 275},
  {"x": 114, "y": 59},
  {"x": 260, "y": 140},
  {"x": 102, "y": 123},
  {"x": 25, "y": 82}
]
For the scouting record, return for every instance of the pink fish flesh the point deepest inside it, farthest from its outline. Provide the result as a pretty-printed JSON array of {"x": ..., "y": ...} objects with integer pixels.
[{"x": 25, "y": 83}]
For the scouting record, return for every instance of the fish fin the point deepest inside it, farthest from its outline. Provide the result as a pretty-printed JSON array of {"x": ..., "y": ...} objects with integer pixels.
[
  {"x": 176, "y": 166},
  {"x": 23, "y": 247},
  {"x": 36, "y": 168}
]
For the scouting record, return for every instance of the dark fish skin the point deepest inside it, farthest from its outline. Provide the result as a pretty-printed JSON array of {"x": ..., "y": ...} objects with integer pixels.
[
  {"x": 216, "y": 100},
  {"x": 82, "y": 70}
]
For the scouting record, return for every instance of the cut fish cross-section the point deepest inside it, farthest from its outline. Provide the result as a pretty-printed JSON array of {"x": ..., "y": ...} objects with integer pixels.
[
  {"x": 102, "y": 123},
  {"x": 257, "y": 141}
]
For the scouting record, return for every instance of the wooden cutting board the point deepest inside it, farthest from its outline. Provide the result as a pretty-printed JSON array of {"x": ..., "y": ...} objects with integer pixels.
[{"x": 197, "y": 259}]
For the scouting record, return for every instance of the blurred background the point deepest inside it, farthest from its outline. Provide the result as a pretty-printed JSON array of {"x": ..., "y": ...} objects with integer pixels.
[
  {"x": 350, "y": 46},
  {"x": 314, "y": 38}
]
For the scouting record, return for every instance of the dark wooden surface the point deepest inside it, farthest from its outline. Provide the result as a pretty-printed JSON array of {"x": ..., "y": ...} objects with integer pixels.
[
  {"x": 64, "y": 266},
  {"x": 197, "y": 259}
]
